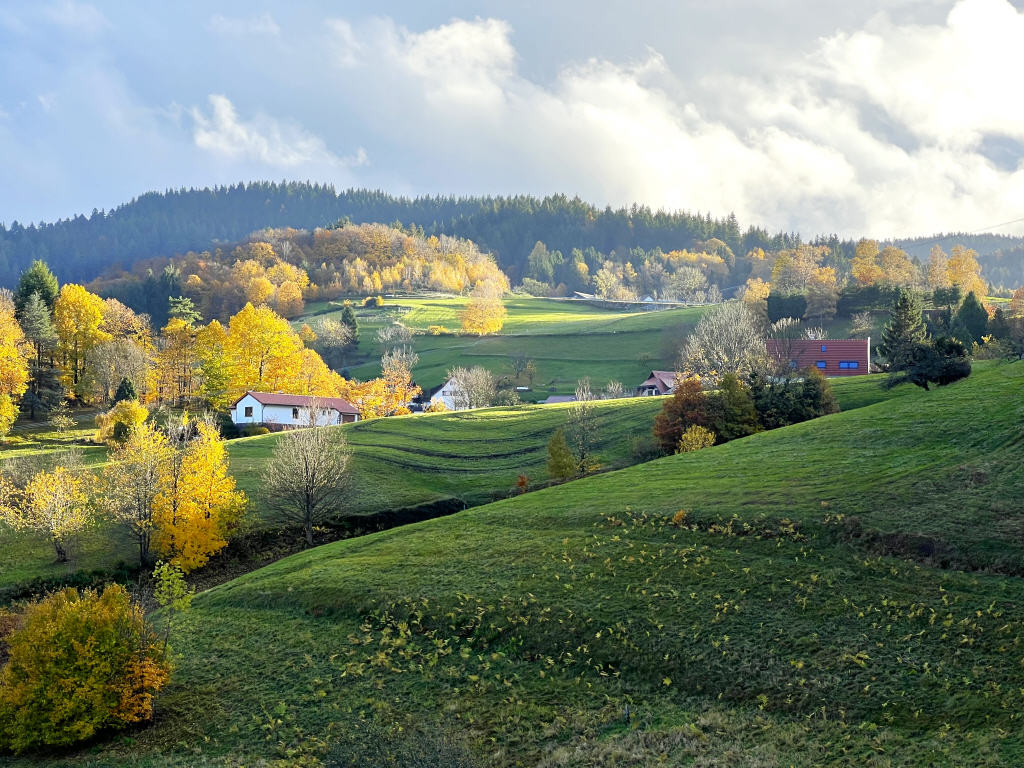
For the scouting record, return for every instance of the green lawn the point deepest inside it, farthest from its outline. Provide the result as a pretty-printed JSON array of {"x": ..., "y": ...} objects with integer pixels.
[
  {"x": 566, "y": 340},
  {"x": 762, "y": 629},
  {"x": 456, "y": 458}
]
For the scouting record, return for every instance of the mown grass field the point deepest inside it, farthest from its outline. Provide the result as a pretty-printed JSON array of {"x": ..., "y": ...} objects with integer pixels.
[
  {"x": 465, "y": 458},
  {"x": 588, "y": 624},
  {"x": 566, "y": 340}
]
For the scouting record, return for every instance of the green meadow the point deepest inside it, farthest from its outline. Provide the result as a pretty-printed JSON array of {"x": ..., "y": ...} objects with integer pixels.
[
  {"x": 567, "y": 340},
  {"x": 843, "y": 592}
]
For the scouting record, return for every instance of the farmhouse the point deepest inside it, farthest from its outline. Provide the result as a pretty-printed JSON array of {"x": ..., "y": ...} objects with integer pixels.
[
  {"x": 451, "y": 395},
  {"x": 277, "y": 410},
  {"x": 658, "y": 383},
  {"x": 833, "y": 357},
  {"x": 558, "y": 399}
]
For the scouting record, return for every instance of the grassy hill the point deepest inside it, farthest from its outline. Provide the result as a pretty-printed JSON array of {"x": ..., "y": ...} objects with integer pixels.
[
  {"x": 566, "y": 340},
  {"x": 589, "y": 624}
]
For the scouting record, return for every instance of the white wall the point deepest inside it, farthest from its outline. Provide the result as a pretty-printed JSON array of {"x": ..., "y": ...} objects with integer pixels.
[{"x": 281, "y": 415}]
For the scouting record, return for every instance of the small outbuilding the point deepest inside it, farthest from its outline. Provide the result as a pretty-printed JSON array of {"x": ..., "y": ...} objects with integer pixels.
[
  {"x": 658, "y": 383},
  {"x": 277, "y": 410}
]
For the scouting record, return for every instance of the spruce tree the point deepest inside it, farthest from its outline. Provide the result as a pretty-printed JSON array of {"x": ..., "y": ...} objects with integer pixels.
[
  {"x": 998, "y": 325},
  {"x": 904, "y": 331},
  {"x": 36, "y": 279},
  {"x": 974, "y": 318},
  {"x": 44, "y": 390},
  {"x": 348, "y": 317},
  {"x": 561, "y": 462},
  {"x": 125, "y": 391}
]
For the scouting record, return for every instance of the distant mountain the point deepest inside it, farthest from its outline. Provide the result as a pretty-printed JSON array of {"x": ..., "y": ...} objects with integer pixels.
[
  {"x": 176, "y": 221},
  {"x": 161, "y": 224}
]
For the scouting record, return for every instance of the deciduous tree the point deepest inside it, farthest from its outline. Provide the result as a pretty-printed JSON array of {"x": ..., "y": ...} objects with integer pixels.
[
  {"x": 14, "y": 356},
  {"x": 78, "y": 316}
]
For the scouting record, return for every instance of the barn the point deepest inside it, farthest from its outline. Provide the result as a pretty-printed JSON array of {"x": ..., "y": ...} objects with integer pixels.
[
  {"x": 833, "y": 357},
  {"x": 278, "y": 410}
]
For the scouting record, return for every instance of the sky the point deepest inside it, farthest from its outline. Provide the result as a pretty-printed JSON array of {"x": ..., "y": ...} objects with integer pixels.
[{"x": 889, "y": 118}]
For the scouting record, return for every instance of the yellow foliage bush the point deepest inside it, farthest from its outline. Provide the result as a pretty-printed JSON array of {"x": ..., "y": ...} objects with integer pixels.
[
  {"x": 78, "y": 664},
  {"x": 437, "y": 330},
  {"x": 437, "y": 406},
  {"x": 127, "y": 414},
  {"x": 695, "y": 438}
]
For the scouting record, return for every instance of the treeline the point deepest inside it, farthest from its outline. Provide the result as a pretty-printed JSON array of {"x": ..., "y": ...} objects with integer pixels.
[
  {"x": 177, "y": 221},
  {"x": 286, "y": 267}
]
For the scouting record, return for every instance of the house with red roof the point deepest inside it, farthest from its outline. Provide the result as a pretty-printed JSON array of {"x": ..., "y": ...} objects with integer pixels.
[
  {"x": 277, "y": 410},
  {"x": 833, "y": 357}
]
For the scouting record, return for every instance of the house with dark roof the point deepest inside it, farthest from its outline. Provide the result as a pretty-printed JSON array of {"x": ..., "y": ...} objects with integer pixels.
[
  {"x": 278, "y": 410},
  {"x": 658, "y": 383},
  {"x": 553, "y": 399},
  {"x": 833, "y": 357}
]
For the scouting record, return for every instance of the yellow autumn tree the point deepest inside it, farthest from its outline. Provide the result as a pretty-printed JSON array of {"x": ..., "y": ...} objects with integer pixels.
[
  {"x": 78, "y": 320},
  {"x": 197, "y": 505},
  {"x": 897, "y": 268},
  {"x": 964, "y": 270},
  {"x": 53, "y": 503},
  {"x": 262, "y": 351},
  {"x": 865, "y": 267},
  {"x": 176, "y": 361},
  {"x": 938, "y": 268},
  {"x": 289, "y": 299},
  {"x": 484, "y": 314},
  {"x": 211, "y": 345},
  {"x": 15, "y": 352},
  {"x": 315, "y": 378},
  {"x": 116, "y": 425}
]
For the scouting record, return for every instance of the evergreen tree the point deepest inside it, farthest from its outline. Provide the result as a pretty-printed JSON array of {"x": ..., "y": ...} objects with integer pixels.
[
  {"x": 904, "y": 331},
  {"x": 973, "y": 317},
  {"x": 184, "y": 308},
  {"x": 940, "y": 362},
  {"x": 998, "y": 325},
  {"x": 36, "y": 279},
  {"x": 44, "y": 390},
  {"x": 348, "y": 318},
  {"x": 816, "y": 398},
  {"x": 734, "y": 414},
  {"x": 125, "y": 391}
]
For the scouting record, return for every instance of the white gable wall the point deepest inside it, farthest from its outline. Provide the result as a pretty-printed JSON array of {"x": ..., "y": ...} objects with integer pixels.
[{"x": 282, "y": 415}]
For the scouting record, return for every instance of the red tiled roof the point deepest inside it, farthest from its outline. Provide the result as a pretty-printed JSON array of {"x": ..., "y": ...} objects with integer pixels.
[
  {"x": 807, "y": 353},
  {"x": 663, "y": 380},
  {"x": 279, "y": 398}
]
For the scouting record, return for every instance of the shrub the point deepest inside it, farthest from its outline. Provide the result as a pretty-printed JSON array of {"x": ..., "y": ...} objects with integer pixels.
[
  {"x": 78, "y": 664},
  {"x": 438, "y": 330},
  {"x": 115, "y": 424},
  {"x": 373, "y": 301},
  {"x": 688, "y": 405},
  {"x": 695, "y": 438},
  {"x": 561, "y": 462},
  {"x": 437, "y": 406}
]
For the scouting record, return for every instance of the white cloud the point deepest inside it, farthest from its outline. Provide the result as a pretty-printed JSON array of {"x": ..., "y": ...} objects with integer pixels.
[
  {"x": 262, "y": 139},
  {"x": 77, "y": 17},
  {"x": 263, "y": 24},
  {"x": 876, "y": 131}
]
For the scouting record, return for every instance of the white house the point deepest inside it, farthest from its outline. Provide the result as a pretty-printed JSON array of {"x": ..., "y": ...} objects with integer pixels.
[
  {"x": 278, "y": 410},
  {"x": 451, "y": 395}
]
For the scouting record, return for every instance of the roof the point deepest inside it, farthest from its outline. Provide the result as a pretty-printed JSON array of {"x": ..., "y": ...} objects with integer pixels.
[
  {"x": 664, "y": 379},
  {"x": 559, "y": 399},
  {"x": 825, "y": 354},
  {"x": 280, "y": 398}
]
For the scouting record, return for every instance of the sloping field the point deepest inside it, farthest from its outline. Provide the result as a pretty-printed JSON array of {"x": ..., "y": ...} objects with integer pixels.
[{"x": 590, "y": 624}]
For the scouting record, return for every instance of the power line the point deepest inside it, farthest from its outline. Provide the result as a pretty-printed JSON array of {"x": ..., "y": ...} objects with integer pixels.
[{"x": 994, "y": 226}]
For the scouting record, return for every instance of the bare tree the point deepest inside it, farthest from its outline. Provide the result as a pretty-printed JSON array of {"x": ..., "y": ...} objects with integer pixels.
[
  {"x": 581, "y": 432},
  {"x": 815, "y": 333},
  {"x": 395, "y": 335},
  {"x": 613, "y": 390},
  {"x": 862, "y": 324},
  {"x": 473, "y": 387},
  {"x": 307, "y": 478},
  {"x": 726, "y": 340}
]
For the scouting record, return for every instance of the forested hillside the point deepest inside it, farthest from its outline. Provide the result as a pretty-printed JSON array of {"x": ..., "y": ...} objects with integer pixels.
[{"x": 176, "y": 221}]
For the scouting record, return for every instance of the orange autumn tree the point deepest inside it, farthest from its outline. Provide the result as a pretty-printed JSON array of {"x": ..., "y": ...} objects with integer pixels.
[{"x": 197, "y": 505}]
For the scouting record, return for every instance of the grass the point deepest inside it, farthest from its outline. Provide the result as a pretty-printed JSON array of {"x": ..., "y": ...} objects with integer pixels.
[
  {"x": 759, "y": 629},
  {"x": 566, "y": 340}
]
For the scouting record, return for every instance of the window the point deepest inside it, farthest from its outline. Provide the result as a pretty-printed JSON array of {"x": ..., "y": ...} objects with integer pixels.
[
  {"x": 821, "y": 365},
  {"x": 792, "y": 364},
  {"x": 824, "y": 348},
  {"x": 248, "y": 411},
  {"x": 845, "y": 365},
  {"x": 295, "y": 413}
]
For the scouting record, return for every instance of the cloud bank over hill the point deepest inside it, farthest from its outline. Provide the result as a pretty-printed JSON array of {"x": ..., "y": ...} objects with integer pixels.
[{"x": 881, "y": 122}]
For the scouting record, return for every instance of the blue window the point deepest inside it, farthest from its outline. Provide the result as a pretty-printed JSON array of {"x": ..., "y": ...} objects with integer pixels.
[
  {"x": 824, "y": 348},
  {"x": 821, "y": 364},
  {"x": 845, "y": 365}
]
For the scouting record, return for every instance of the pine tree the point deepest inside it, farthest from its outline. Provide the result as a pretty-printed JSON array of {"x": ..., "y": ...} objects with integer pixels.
[
  {"x": 125, "y": 391},
  {"x": 36, "y": 279},
  {"x": 44, "y": 390},
  {"x": 184, "y": 308},
  {"x": 348, "y": 318},
  {"x": 998, "y": 325},
  {"x": 974, "y": 318},
  {"x": 904, "y": 331}
]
